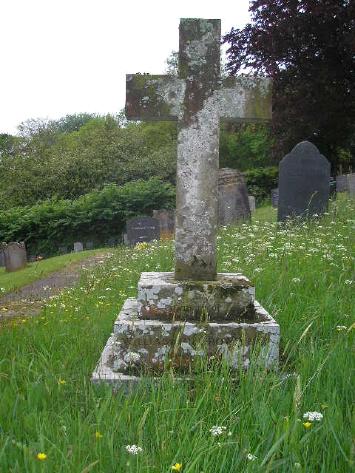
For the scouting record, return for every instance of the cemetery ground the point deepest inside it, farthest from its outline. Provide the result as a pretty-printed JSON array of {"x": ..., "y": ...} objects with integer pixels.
[
  {"x": 24, "y": 292},
  {"x": 52, "y": 419}
]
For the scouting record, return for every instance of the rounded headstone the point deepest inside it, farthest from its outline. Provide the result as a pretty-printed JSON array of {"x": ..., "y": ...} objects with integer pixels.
[{"x": 304, "y": 176}]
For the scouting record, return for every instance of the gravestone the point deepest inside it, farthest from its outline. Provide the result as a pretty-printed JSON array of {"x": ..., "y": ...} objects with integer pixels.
[
  {"x": 166, "y": 219},
  {"x": 351, "y": 184},
  {"x": 195, "y": 312},
  {"x": 304, "y": 176},
  {"x": 252, "y": 205},
  {"x": 142, "y": 229},
  {"x": 78, "y": 247},
  {"x": 233, "y": 202},
  {"x": 15, "y": 256},
  {"x": 342, "y": 183},
  {"x": 63, "y": 250},
  {"x": 89, "y": 245},
  {"x": 275, "y": 198},
  {"x": 2, "y": 258}
]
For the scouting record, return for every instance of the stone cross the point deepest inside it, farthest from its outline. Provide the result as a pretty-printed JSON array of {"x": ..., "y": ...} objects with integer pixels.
[{"x": 197, "y": 98}]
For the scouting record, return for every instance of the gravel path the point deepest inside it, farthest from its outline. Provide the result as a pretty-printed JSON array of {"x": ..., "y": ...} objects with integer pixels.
[{"x": 29, "y": 300}]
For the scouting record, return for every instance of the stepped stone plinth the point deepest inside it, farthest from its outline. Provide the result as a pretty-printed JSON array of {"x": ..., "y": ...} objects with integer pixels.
[{"x": 156, "y": 331}]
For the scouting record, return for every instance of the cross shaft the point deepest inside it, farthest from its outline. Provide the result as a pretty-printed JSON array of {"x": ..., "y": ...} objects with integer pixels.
[{"x": 197, "y": 99}]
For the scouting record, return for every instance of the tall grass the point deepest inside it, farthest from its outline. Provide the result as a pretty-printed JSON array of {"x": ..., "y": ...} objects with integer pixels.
[{"x": 302, "y": 274}]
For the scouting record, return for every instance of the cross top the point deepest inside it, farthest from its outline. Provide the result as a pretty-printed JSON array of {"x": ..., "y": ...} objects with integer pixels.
[{"x": 198, "y": 99}]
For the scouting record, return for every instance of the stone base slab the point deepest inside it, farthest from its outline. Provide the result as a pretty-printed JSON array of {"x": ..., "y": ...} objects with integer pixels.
[
  {"x": 161, "y": 297},
  {"x": 149, "y": 346}
]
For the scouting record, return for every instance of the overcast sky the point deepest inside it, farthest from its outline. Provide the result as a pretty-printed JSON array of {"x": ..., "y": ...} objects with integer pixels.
[{"x": 70, "y": 56}]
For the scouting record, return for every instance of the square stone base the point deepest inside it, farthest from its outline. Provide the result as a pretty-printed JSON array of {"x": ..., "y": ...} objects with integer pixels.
[
  {"x": 161, "y": 297},
  {"x": 145, "y": 346}
]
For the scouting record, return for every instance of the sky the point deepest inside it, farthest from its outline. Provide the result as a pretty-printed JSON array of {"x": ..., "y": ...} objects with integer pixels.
[{"x": 61, "y": 57}]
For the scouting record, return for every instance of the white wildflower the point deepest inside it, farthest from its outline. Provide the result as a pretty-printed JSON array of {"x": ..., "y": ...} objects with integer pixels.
[
  {"x": 134, "y": 449},
  {"x": 313, "y": 416},
  {"x": 296, "y": 280},
  {"x": 348, "y": 282},
  {"x": 251, "y": 457},
  {"x": 217, "y": 430},
  {"x": 341, "y": 328}
]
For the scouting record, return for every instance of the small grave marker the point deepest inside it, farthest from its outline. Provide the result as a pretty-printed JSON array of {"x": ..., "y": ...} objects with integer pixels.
[
  {"x": 142, "y": 229},
  {"x": 275, "y": 198},
  {"x": 78, "y": 247},
  {"x": 342, "y": 183},
  {"x": 304, "y": 176},
  {"x": 252, "y": 205},
  {"x": 233, "y": 202},
  {"x": 15, "y": 256},
  {"x": 166, "y": 219}
]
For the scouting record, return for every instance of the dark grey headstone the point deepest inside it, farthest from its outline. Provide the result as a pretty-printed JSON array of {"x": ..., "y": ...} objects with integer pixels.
[
  {"x": 304, "y": 176},
  {"x": 2, "y": 258},
  {"x": 275, "y": 198},
  {"x": 78, "y": 246},
  {"x": 89, "y": 245},
  {"x": 142, "y": 229},
  {"x": 233, "y": 202},
  {"x": 63, "y": 250},
  {"x": 166, "y": 219},
  {"x": 15, "y": 256}
]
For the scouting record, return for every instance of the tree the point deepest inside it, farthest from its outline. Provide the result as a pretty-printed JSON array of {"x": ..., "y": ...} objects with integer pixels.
[{"x": 307, "y": 47}]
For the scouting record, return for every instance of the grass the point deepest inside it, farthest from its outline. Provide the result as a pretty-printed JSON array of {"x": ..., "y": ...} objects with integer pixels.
[
  {"x": 39, "y": 270},
  {"x": 302, "y": 274}
]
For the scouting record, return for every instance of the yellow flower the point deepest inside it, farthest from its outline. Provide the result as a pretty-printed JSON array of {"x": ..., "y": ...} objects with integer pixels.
[
  {"x": 61, "y": 381},
  {"x": 177, "y": 467},
  {"x": 307, "y": 425},
  {"x": 98, "y": 435},
  {"x": 41, "y": 456}
]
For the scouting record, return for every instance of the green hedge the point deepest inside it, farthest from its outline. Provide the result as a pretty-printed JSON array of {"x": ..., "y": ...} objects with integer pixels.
[
  {"x": 260, "y": 181},
  {"x": 96, "y": 216}
]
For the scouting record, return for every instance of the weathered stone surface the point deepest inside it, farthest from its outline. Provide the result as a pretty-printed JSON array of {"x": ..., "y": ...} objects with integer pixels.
[
  {"x": 148, "y": 346},
  {"x": 2, "y": 258},
  {"x": 252, "y": 205},
  {"x": 342, "y": 183},
  {"x": 89, "y": 245},
  {"x": 78, "y": 246},
  {"x": 275, "y": 198},
  {"x": 351, "y": 184},
  {"x": 142, "y": 229},
  {"x": 160, "y": 296},
  {"x": 233, "y": 202},
  {"x": 304, "y": 176},
  {"x": 15, "y": 256},
  {"x": 198, "y": 99},
  {"x": 166, "y": 219}
]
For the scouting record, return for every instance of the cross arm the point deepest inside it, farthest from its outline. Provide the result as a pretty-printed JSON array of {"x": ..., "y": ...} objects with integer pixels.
[
  {"x": 245, "y": 98},
  {"x": 154, "y": 97}
]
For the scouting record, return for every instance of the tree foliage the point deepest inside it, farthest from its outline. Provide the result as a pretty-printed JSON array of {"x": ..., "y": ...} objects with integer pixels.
[
  {"x": 96, "y": 216},
  {"x": 307, "y": 47}
]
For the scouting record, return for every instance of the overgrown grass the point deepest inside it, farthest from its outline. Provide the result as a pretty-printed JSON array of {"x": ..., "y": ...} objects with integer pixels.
[
  {"x": 39, "y": 270},
  {"x": 302, "y": 274}
]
